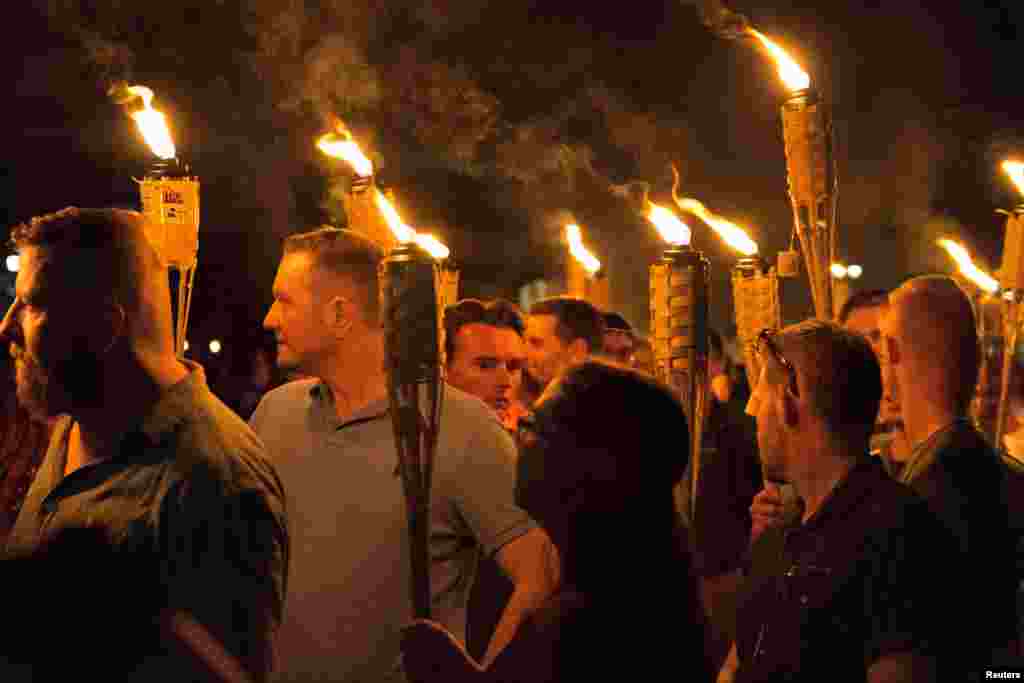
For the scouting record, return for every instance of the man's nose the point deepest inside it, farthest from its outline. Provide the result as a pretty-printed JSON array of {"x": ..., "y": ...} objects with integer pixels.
[{"x": 270, "y": 321}]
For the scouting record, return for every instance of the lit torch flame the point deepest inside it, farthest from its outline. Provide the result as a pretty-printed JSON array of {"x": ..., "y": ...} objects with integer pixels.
[
  {"x": 790, "y": 72},
  {"x": 152, "y": 124},
  {"x": 403, "y": 233},
  {"x": 341, "y": 146},
  {"x": 1015, "y": 169},
  {"x": 732, "y": 234},
  {"x": 580, "y": 252},
  {"x": 967, "y": 268},
  {"x": 671, "y": 229}
]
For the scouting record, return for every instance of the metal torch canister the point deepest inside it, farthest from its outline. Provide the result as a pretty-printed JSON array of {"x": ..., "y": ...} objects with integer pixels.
[
  {"x": 409, "y": 306},
  {"x": 679, "y": 331},
  {"x": 1012, "y": 277},
  {"x": 755, "y": 290},
  {"x": 807, "y": 132},
  {"x": 170, "y": 203}
]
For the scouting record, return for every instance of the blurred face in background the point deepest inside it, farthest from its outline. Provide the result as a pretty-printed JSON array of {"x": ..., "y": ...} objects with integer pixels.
[
  {"x": 868, "y": 321},
  {"x": 618, "y": 345},
  {"x": 546, "y": 353}
]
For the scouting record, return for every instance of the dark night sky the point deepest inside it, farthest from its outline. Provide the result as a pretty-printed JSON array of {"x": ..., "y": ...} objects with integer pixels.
[{"x": 468, "y": 108}]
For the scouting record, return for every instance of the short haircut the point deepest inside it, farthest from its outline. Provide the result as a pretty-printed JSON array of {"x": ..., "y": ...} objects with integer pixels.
[
  {"x": 496, "y": 313},
  {"x": 937, "y": 327},
  {"x": 840, "y": 374},
  {"x": 345, "y": 254},
  {"x": 615, "y": 321},
  {"x": 106, "y": 250},
  {"x": 867, "y": 298},
  {"x": 577, "y": 319}
]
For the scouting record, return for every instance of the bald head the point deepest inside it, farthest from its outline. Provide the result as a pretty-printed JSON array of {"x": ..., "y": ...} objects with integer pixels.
[
  {"x": 932, "y": 323},
  {"x": 102, "y": 257}
]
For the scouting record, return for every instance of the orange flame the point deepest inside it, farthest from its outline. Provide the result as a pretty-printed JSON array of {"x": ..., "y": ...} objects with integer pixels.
[
  {"x": 579, "y": 251},
  {"x": 732, "y": 234},
  {"x": 1015, "y": 169},
  {"x": 671, "y": 229},
  {"x": 152, "y": 124},
  {"x": 341, "y": 145},
  {"x": 403, "y": 233},
  {"x": 967, "y": 268},
  {"x": 790, "y": 72}
]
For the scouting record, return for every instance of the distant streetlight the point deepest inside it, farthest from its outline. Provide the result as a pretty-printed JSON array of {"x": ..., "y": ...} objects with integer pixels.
[
  {"x": 215, "y": 346},
  {"x": 13, "y": 263},
  {"x": 186, "y": 344},
  {"x": 854, "y": 271}
]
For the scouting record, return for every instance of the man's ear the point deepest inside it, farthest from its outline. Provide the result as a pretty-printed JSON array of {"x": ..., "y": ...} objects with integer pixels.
[
  {"x": 339, "y": 315},
  {"x": 579, "y": 349}
]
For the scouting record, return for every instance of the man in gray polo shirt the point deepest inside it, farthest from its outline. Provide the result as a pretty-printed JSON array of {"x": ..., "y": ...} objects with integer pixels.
[{"x": 332, "y": 443}]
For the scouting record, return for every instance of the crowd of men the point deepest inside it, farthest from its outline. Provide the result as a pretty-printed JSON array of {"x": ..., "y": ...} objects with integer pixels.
[{"x": 852, "y": 523}]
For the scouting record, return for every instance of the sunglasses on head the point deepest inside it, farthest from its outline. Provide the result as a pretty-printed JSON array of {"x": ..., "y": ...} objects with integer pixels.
[{"x": 765, "y": 340}]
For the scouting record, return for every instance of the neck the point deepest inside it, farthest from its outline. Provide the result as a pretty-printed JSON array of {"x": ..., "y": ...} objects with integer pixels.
[
  {"x": 126, "y": 396},
  {"x": 828, "y": 465},
  {"x": 923, "y": 416},
  {"x": 356, "y": 375}
]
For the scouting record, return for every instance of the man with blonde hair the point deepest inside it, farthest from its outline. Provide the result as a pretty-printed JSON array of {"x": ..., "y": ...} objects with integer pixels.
[{"x": 931, "y": 342}]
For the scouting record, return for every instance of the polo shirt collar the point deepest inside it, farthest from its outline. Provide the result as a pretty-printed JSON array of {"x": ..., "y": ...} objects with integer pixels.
[{"x": 323, "y": 400}]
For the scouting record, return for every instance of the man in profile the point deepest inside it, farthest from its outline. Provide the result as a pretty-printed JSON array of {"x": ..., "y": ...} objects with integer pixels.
[
  {"x": 850, "y": 591},
  {"x": 618, "y": 338},
  {"x": 185, "y": 513},
  {"x": 560, "y": 331},
  {"x": 332, "y": 439}
]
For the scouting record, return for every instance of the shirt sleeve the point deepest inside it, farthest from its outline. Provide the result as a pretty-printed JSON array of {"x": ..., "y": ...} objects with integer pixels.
[
  {"x": 483, "y": 483},
  {"x": 224, "y": 555}
]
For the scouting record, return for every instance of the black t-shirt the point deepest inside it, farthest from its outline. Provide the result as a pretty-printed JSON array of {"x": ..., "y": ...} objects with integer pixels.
[{"x": 856, "y": 581}]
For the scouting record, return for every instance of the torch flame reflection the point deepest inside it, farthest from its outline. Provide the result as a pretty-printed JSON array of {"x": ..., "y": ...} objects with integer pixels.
[
  {"x": 790, "y": 72},
  {"x": 967, "y": 268},
  {"x": 152, "y": 124},
  {"x": 671, "y": 229},
  {"x": 1015, "y": 169},
  {"x": 732, "y": 234},
  {"x": 342, "y": 146},
  {"x": 580, "y": 252}
]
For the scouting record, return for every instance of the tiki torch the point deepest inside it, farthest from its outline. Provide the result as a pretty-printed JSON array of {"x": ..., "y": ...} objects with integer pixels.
[
  {"x": 679, "y": 296},
  {"x": 755, "y": 286},
  {"x": 1012, "y": 276},
  {"x": 586, "y": 279},
  {"x": 807, "y": 133},
  {"x": 411, "y": 285},
  {"x": 170, "y": 202},
  {"x": 990, "y": 333}
]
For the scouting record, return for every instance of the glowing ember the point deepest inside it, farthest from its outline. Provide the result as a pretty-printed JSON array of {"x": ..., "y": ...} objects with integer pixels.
[
  {"x": 340, "y": 145},
  {"x": 967, "y": 268},
  {"x": 580, "y": 252},
  {"x": 152, "y": 124},
  {"x": 732, "y": 234},
  {"x": 671, "y": 229},
  {"x": 790, "y": 72},
  {"x": 1015, "y": 169}
]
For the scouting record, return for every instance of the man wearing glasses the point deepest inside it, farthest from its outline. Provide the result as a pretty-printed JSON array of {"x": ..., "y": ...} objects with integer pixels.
[{"x": 843, "y": 594}]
